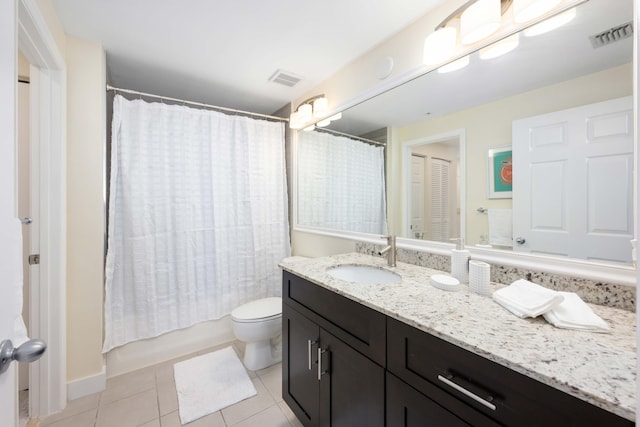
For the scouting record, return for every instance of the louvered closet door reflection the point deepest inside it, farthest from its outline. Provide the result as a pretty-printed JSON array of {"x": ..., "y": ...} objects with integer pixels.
[{"x": 440, "y": 179}]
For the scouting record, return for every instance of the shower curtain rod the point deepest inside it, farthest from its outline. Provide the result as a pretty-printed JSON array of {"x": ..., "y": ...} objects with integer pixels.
[
  {"x": 369, "y": 141},
  {"x": 199, "y": 104}
]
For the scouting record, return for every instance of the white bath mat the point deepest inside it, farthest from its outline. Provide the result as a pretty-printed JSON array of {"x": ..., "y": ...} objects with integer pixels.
[{"x": 208, "y": 383}]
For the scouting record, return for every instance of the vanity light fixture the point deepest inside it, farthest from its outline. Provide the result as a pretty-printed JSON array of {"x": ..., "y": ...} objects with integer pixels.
[
  {"x": 551, "y": 23},
  {"x": 526, "y": 10},
  {"x": 479, "y": 20},
  {"x": 439, "y": 45},
  {"x": 312, "y": 108},
  {"x": 476, "y": 20},
  {"x": 455, "y": 65},
  {"x": 500, "y": 47}
]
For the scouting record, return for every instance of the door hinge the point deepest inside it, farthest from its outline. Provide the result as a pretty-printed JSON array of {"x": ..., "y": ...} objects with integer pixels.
[{"x": 34, "y": 259}]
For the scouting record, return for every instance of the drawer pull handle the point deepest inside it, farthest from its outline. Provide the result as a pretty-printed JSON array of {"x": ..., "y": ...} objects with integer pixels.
[
  {"x": 310, "y": 344},
  {"x": 467, "y": 393},
  {"x": 320, "y": 371}
]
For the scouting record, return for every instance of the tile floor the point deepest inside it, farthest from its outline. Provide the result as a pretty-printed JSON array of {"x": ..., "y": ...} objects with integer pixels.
[{"x": 148, "y": 398}]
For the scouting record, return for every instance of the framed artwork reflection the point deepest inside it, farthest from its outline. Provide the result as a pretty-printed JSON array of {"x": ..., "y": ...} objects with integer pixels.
[{"x": 499, "y": 172}]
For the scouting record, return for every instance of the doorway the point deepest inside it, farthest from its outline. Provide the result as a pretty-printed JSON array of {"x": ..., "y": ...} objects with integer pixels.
[
  {"x": 47, "y": 301},
  {"x": 433, "y": 187},
  {"x": 25, "y": 208}
]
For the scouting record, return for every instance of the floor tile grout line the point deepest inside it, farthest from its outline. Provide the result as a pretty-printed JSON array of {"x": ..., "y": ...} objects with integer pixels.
[{"x": 155, "y": 379}]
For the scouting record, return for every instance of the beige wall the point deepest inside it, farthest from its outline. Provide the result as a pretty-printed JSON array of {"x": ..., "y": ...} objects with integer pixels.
[
  {"x": 85, "y": 210},
  {"x": 317, "y": 245},
  {"x": 23, "y": 66},
  {"x": 51, "y": 18},
  {"x": 489, "y": 125}
]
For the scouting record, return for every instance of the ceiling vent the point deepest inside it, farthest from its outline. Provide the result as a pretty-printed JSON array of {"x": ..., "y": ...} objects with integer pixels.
[
  {"x": 285, "y": 78},
  {"x": 614, "y": 34}
]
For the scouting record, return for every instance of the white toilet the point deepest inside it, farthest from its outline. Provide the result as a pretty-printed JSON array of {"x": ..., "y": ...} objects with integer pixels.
[{"x": 259, "y": 325}]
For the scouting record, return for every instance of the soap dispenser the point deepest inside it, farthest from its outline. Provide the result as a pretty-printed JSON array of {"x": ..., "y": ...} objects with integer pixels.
[{"x": 460, "y": 261}]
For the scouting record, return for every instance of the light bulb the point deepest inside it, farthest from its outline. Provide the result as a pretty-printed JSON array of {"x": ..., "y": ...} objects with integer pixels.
[
  {"x": 455, "y": 65},
  {"x": 480, "y": 20},
  {"x": 551, "y": 23},
  {"x": 320, "y": 107},
  {"x": 439, "y": 45},
  {"x": 306, "y": 112},
  {"x": 500, "y": 47},
  {"x": 526, "y": 10},
  {"x": 294, "y": 121}
]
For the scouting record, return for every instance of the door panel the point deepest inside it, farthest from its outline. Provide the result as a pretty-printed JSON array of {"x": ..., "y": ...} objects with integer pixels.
[
  {"x": 406, "y": 407},
  {"x": 10, "y": 239},
  {"x": 352, "y": 387},
  {"x": 417, "y": 196},
  {"x": 573, "y": 174},
  {"x": 440, "y": 212},
  {"x": 24, "y": 208},
  {"x": 301, "y": 389}
]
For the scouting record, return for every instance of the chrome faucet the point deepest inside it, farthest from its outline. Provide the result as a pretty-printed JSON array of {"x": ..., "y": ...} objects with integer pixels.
[{"x": 390, "y": 250}]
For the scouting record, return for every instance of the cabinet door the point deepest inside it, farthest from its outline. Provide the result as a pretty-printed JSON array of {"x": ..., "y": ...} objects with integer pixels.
[
  {"x": 406, "y": 407},
  {"x": 300, "y": 384},
  {"x": 351, "y": 386}
]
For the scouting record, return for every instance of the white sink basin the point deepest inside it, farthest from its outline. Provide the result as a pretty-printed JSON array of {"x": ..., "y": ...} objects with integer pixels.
[{"x": 364, "y": 274}]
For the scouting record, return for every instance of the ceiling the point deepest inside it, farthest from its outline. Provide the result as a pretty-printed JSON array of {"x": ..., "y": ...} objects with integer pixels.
[{"x": 224, "y": 52}]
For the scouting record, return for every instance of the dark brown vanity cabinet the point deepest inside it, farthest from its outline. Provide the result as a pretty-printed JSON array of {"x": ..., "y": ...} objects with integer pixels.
[
  {"x": 345, "y": 364},
  {"x": 332, "y": 375},
  {"x": 479, "y": 391}
]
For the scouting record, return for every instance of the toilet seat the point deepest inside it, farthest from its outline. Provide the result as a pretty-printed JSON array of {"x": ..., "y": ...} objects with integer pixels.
[{"x": 258, "y": 311}]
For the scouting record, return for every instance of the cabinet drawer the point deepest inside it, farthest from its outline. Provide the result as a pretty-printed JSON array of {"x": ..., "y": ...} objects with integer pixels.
[
  {"x": 360, "y": 327},
  {"x": 406, "y": 407},
  {"x": 429, "y": 363}
]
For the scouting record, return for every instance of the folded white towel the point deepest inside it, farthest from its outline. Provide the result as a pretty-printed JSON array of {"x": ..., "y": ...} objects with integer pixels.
[
  {"x": 574, "y": 313},
  {"x": 527, "y": 299}
]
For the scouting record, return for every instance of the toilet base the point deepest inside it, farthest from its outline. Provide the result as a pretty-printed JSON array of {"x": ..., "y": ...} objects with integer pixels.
[{"x": 261, "y": 354}]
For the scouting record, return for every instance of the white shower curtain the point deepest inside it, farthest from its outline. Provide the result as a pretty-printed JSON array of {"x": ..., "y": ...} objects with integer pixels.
[
  {"x": 197, "y": 218},
  {"x": 341, "y": 183}
]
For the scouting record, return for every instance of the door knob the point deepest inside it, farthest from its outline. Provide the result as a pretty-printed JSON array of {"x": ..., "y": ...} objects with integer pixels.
[
  {"x": 28, "y": 352},
  {"x": 520, "y": 240},
  {"x": 26, "y": 220}
]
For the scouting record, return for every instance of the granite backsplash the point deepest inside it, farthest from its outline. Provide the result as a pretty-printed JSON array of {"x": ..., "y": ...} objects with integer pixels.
[{"x": 595, "y": 292}]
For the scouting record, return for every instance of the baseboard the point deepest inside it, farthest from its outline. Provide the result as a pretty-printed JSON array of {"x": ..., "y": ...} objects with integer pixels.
[{"x": 87, "y": 385}]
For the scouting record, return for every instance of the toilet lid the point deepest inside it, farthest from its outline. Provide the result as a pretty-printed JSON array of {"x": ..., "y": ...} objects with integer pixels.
[{"x": 259, "y": 309}]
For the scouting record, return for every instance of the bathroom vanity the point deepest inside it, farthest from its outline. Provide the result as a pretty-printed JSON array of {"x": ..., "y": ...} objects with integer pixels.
[{"x": 408, "y": 354}]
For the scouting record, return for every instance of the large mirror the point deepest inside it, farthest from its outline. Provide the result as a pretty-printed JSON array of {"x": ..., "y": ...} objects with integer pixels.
[{"x": 479, "y": 107}]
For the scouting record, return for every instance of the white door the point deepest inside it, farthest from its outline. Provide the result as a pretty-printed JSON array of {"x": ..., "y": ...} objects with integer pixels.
[
  {"x": 440, "y": 207},
  {"x": 572, "y": 182},
  {"x": 10, "y": 239},
  {"x": 417, "y": 196},
  {"x": 24, "y": 208}
]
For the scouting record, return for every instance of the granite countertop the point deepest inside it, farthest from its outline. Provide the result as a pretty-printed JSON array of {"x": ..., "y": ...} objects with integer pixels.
[{"x": 598, "y": 368}]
